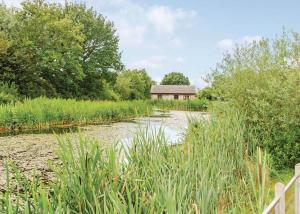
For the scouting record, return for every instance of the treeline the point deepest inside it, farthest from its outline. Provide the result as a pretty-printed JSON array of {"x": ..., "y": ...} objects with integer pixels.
[
  {"x": 262, "y": 81},
  {"x": 65, "y": 51}
]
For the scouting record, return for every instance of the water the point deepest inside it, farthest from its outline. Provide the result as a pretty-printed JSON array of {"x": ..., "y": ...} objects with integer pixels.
[{"x": 34, "y": 150}]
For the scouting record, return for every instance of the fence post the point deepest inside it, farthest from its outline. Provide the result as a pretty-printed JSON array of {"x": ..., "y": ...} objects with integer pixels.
[
  {"x": 297, "y": 189},
  {"x": 279, "y": 192}
]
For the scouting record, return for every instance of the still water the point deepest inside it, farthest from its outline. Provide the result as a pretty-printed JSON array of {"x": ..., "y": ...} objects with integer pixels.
[{"x": 34, "y": 151}]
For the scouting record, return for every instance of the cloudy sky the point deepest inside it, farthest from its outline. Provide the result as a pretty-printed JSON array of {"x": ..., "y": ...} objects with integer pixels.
[{"x": 190, "y": 36}]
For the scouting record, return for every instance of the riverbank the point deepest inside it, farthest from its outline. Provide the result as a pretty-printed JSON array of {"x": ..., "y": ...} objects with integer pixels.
[{"x": 46, "y": 114}]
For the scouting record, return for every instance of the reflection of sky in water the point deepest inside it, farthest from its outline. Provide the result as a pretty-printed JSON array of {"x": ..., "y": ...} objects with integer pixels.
[{"x": 152, "y": 127}]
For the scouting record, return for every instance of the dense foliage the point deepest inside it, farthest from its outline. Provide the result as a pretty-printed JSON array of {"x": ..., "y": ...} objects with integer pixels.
[
  {"x": 58, "y": 51},
  {"x": 8, "y": 94},
  {"x": 208, "y": 93},
  {"x": 175, "y": 78},
  {"x": 263, "y": 81},
  {"x": 133, "y": 84},
  {"x": 208, "y": 174}
]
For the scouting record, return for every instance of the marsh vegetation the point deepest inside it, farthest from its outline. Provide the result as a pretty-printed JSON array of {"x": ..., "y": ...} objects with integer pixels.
[{"x": 54, "y": 77}]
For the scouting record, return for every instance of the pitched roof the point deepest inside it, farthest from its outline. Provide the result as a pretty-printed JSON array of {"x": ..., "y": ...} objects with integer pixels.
[{"x": 173, "y": 89}]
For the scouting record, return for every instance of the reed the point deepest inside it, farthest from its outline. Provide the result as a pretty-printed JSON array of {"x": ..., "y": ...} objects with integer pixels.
[
  {"x": 183, "y": 105},
  {"x": 207, "y": 174},
  {"x": 42, "y": 113}
]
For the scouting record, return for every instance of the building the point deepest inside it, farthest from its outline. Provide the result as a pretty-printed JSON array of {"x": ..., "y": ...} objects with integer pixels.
[{"x": 173, "y": 92}]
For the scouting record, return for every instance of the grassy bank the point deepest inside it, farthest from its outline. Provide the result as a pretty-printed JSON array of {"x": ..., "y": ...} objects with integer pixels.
[
  {"x": 210, "y": 173},
  {"x": 43, "y": 113}
]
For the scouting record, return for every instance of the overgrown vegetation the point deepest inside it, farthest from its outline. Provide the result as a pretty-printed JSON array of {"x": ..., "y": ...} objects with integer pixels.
[
  {"x": 183, "y": 105},
  {"x": 208, "y": 174},
  {"x": 42, "y": 113},
  {"x": 263, "y": 82},
  {"x": 8, "y": 94}
]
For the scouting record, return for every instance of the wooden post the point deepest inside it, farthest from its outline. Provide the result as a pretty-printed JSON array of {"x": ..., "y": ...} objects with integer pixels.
[
  {"x": 279, "y": 192},
  {"x": 297, "y": 189}
]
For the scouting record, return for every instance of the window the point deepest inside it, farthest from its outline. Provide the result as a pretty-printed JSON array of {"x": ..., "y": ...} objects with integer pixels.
[
  {"x": 176, "y": 97},
  {"x": 159, "y": 96},
  {"x": 186, "y": 97}
]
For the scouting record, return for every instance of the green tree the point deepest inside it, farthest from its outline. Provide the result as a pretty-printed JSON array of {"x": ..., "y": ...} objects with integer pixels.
[
  {"x": 262, "y": 81},
  {"x": 208, "y": 93},
  {"x": 55, "y": 50},
  {"x": 175, "y": 78},
  {"x": 133, "y": 84},
  {"x": 100, "y": 55}
]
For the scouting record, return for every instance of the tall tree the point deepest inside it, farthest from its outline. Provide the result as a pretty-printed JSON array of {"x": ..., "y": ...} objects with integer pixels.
[
  {"x": 134, "y": 84},
  {"x": 100, "y": 57},
  {"x": 175, "y": 78},
  {"x": 55, "y": 50}
]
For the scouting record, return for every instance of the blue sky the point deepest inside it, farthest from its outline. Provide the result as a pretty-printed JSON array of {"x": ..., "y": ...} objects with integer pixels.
[{"x": 191, "y": 36}]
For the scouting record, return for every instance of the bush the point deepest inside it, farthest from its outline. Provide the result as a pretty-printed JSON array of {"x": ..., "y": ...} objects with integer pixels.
[
  {"x": 8, "y": 94},
  {"x": 263, "y": 82},
  {"x": 208, "y": 93}
]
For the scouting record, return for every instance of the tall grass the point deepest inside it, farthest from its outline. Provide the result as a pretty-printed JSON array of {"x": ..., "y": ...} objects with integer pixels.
[
  {"x": 184, "y": 105},
  {"x": 207, "y": 174},
  {"x": 43, "y": 113}
]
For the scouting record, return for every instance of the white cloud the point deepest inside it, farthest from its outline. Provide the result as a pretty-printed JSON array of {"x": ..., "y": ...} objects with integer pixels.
[
  {"x": 176, "y": 43},
  {"x": 154, "y": 62},
  {"x": 180, "y": 60},
  {"x": 131, "y": 35},
  {"x": 200, "y": 82},
  {"x": 165, "y": 19},
  {"x": 226, "y": 44},
  {"x": 229, "y": 44}
]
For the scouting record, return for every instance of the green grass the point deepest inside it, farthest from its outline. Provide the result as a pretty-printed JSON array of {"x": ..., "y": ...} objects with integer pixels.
[
  {"x": 44, "y": 113},
  {"x": 210, "y": 173},
  {"x": 183, "y": 105}
]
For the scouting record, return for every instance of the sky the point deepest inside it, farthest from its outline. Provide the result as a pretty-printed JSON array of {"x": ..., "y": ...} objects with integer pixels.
[{"x": 190, "y": 36}]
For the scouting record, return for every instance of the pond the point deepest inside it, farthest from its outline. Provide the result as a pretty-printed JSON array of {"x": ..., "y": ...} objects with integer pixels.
[{"x": 35, "y": 150}]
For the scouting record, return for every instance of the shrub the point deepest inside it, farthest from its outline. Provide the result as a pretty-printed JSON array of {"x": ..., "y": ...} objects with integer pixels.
[
  {"x": 8, "y": 94},
  {"x": 263, "y": 82}
]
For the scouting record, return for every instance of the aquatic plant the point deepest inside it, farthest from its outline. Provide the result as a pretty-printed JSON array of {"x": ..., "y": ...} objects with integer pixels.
[
  {"x": 43, "y": 113},
  {"x": 184, "y": 105},
  {"x": 207, "y": 174}
]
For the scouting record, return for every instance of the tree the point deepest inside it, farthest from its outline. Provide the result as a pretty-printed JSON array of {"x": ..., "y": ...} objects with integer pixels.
[
  {"x": 175, "y": 78},
  {"x": 100, "y": 55},
  {"x": 54, "y": 50},
  {"x": 208, "y": 93},
  {"x": 262, "y": 81},
  {"x": 133, "y": 84}
]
